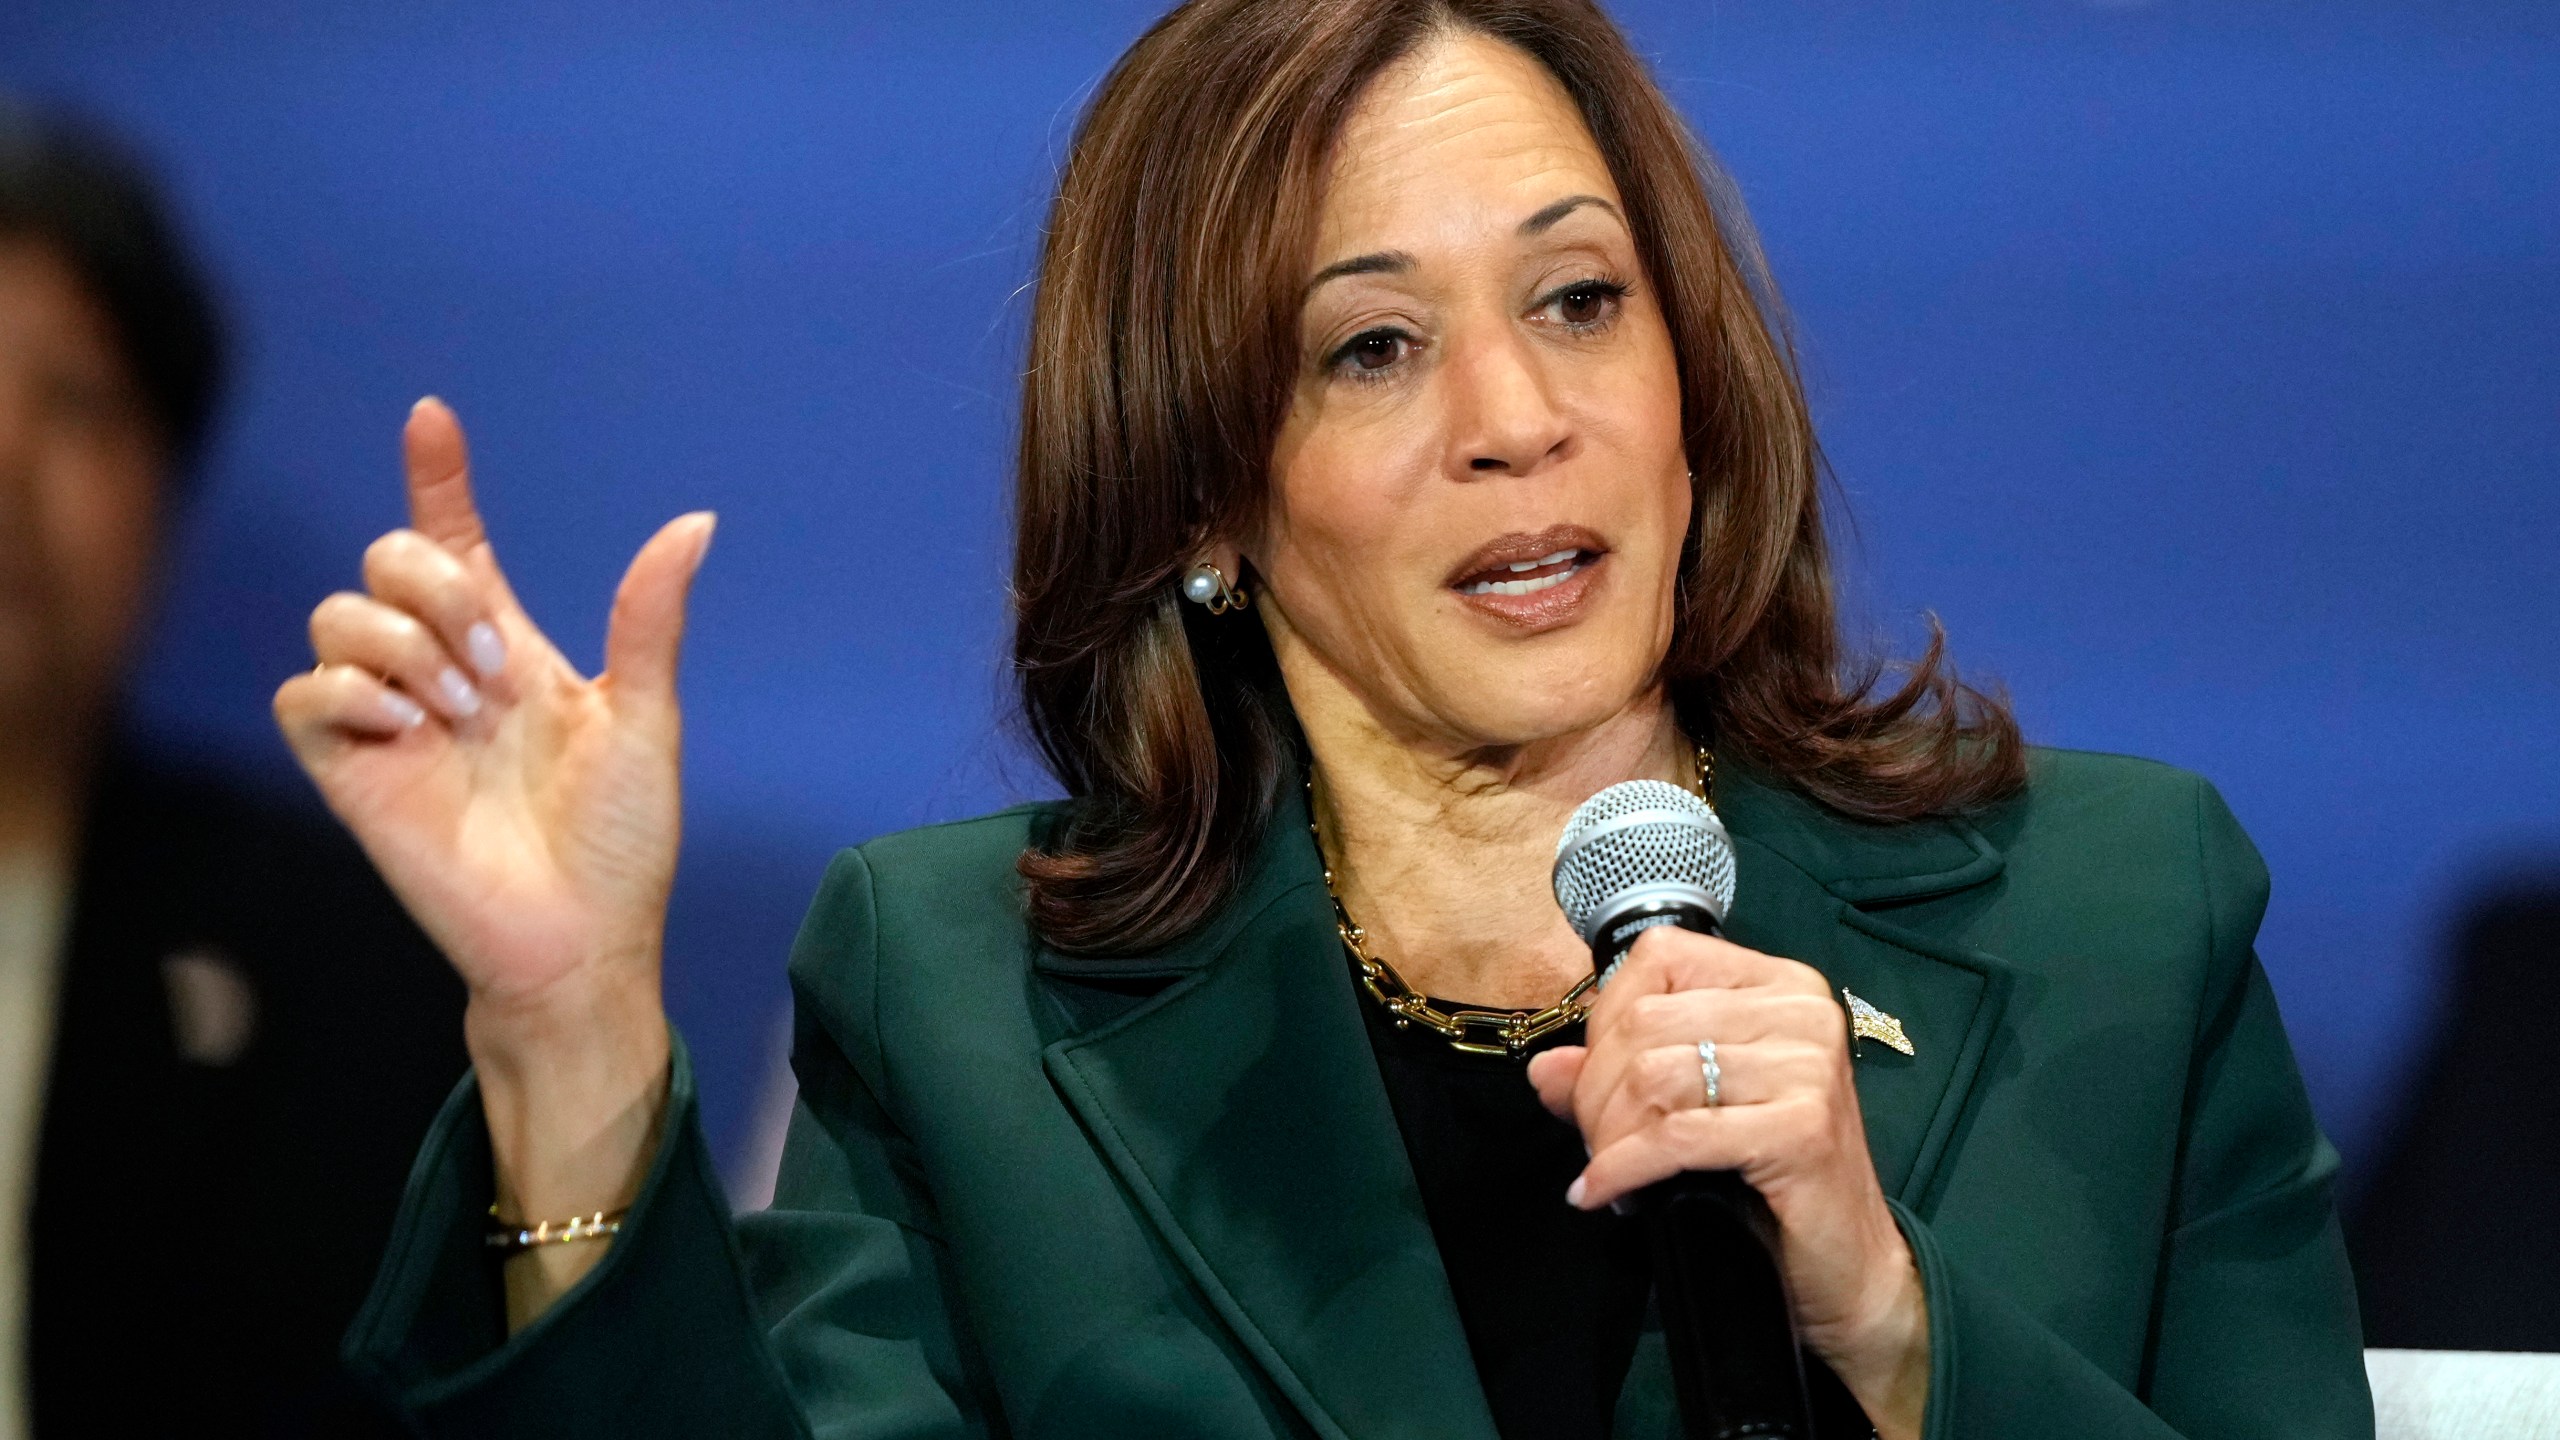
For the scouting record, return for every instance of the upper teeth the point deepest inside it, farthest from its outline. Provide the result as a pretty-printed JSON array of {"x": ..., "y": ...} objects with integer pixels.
[
  {"x": 1524, "y": 587},
  {"x": 1557, "y": 558}
]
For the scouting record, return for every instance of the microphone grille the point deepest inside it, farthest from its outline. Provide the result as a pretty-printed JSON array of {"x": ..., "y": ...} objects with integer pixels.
[{"x": 1640, "y": 832}]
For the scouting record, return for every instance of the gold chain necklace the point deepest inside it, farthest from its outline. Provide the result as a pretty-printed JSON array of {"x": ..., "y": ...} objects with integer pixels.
[{"x": 1473, "y": 1032}]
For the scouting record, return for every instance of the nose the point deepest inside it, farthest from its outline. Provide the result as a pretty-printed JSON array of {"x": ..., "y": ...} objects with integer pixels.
[{"x": 1505, "y": 419}]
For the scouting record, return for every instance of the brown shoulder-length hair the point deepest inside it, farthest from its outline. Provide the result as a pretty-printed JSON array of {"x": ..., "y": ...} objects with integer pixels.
[{"x": 1164, "y": 346}]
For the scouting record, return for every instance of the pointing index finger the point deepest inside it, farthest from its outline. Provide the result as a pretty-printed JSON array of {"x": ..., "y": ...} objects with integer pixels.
[{"x": 440, "y": 504}]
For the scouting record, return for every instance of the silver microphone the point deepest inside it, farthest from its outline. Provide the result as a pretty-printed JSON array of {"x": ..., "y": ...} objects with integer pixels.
[{"x": 1639, "y": 854}]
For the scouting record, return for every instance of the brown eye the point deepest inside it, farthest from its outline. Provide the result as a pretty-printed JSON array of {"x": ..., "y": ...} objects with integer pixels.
[
  {"x": 1584, "y": 304},
  {"x": 1377, "y": 351},
  {"x": 1585, "y": 307},
  {"x": 1366, "y": 355}
]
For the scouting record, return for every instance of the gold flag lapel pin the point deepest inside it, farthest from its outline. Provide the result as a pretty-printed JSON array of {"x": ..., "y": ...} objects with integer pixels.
[{"x": 1866, "y": 1022}]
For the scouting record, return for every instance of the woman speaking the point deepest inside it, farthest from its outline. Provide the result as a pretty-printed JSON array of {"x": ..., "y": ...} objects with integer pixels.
[{"x": 1407, "y": 454}]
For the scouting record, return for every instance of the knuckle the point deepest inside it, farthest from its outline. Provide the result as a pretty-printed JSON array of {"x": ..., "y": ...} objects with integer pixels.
[
  {"x": 335, "y": 614},
  {"x": 387, "y": 551},
  {"x": 1807, "y": 1115},
  {"x": 1663, "y": 1074},
  {"x": 1690, "y": 1131},
  {"x": 1807, "y": 1057},
  {"x": 409, "y": 562},
  {"x": 1815, "y": 1014},
  {"x": 385, "y": 624}
]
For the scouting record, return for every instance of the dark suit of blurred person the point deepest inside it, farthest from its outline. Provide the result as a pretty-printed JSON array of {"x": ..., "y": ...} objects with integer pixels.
[
  {"x": 217, "y": 1032},
  {"x": 2452, "y": 1235}
]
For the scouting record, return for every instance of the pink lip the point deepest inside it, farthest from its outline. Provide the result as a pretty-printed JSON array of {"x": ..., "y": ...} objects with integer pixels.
[
  {"x": 1510, "y": 549},
  {"x": 1545, "y": 609}
]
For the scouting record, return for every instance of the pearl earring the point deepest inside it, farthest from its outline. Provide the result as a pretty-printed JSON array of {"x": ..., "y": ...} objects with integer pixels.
[{"x": 1205, "y": 584}]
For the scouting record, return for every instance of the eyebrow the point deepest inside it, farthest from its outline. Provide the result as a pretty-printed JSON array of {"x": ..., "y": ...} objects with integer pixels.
[
  {"x": 1545, "y": 220},
  {"x": 1396, "y": 262},
  {"x": 1384, "y": 262}
]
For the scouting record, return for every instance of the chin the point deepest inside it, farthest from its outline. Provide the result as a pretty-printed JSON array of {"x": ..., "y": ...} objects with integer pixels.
[{"x": 1522, "y": 700}]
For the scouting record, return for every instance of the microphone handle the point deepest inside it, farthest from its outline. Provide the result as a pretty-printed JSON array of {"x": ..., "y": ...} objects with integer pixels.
[{"x": 1738, "y": 1367}]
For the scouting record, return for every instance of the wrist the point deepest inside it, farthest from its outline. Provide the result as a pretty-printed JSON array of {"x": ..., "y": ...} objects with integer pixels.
[
  {"x": 1884, "y": 1362},
  {"x": 590, "y": 1022},
  {"x": 575, "y": 1094}
]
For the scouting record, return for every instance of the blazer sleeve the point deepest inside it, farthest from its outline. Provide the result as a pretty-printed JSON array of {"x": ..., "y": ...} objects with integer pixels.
[
  {"x": 2254, "y": 1327},
  {"x": 825, "y": 1316}
]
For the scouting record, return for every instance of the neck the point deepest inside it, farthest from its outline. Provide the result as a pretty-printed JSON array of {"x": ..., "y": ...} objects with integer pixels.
[{"x": 1442, "y": 850}]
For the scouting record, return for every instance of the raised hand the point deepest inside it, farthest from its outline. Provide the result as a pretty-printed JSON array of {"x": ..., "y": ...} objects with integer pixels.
[{"x": 527, "y": 816}]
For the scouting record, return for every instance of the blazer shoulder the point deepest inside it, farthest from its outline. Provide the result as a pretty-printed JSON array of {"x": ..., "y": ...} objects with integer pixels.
[
  {"x": 2125, "y": 786},
  {"x": 937, "y": 890},
  {"x": 935, "y": 877},
  {"x": 2084, "y": 796},
  {"x": 2124, "y": 824},
  {"x": 968, "y": 854}
]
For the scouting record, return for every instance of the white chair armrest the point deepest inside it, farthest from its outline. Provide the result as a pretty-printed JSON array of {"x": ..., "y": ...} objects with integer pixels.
[{"x": 2464, "y": 1395}]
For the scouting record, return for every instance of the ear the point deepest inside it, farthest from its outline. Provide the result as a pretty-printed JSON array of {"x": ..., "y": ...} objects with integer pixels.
[{"x": 1227, "y": 556}]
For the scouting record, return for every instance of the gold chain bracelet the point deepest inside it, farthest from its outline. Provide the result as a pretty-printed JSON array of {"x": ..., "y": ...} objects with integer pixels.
[
  {"x": 513, "y": 1240},
  {"x": 1469, "y": 1031}
]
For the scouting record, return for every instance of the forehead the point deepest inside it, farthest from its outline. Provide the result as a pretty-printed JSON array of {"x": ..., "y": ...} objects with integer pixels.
[{"x": 1466, "y": 133}]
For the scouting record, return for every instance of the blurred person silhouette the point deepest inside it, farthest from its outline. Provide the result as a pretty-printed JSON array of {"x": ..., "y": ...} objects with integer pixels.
[
  {"x": 219, "y": 1036},
  {"x": 2451, "y": 1235}
]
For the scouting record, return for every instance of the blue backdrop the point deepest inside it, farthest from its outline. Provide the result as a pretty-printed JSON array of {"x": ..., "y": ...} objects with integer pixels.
[{"x": 2193, "y": 361}]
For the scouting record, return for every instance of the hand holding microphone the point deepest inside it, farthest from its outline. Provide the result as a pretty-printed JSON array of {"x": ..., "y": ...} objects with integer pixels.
[{"x": 1645, "y": 873}]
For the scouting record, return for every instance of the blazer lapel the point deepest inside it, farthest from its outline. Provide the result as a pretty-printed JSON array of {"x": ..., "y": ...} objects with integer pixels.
[
  {"x": 1242, "y": 1107},
  {"x": 1804, "y": 881}
]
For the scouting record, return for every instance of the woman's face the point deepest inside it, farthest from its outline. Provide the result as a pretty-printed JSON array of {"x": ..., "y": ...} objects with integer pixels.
[{"x": 1479, "y": 495}]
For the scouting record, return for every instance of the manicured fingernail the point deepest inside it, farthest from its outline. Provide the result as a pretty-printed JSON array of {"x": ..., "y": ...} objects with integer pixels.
[
  {"x": 421, "y": 403},
  {"x": 1573, "y": 1193},
  {"x": 402, "y": 711},
  {"x": 458, "y": 694},
  {"x": 488, "y": 652}
]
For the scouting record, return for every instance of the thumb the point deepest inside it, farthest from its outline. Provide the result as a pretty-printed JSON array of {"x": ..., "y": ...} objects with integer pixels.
[
  {"x": 647, "y": 630},
  {"x": 1554, "y": 1073}
]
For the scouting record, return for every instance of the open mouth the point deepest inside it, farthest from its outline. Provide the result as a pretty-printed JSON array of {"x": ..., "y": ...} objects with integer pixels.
[
  {"x": 1527, "y": 577},
  {"x": 1533, "y": 582}
]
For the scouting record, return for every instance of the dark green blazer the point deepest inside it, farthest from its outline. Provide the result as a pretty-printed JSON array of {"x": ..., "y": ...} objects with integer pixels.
[{"x": 1162, "y": 1195}]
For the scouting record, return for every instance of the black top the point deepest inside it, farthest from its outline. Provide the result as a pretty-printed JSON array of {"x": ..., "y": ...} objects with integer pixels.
[{"x": 1553, "y": 1298}]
